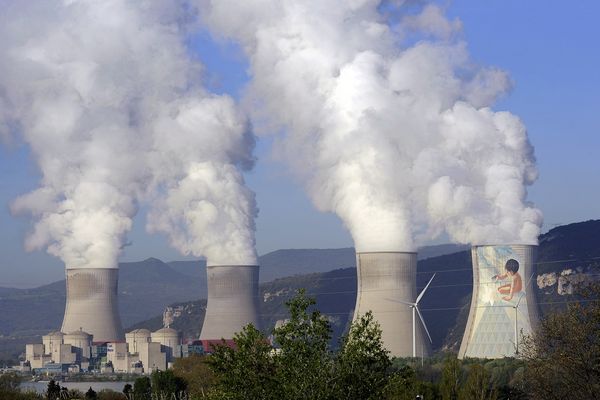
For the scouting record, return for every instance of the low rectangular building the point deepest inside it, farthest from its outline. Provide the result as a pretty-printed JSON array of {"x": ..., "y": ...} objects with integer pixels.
[{"x": 152, "y": 357}]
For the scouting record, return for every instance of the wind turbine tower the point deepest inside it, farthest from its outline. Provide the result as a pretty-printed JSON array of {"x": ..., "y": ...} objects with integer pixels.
[
  {"x": 415, "y": 310},
  {"x": 516, "y": 308}
]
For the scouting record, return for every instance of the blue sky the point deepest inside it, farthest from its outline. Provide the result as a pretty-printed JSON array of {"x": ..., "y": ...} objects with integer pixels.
[{"x": 550, "y": 49}]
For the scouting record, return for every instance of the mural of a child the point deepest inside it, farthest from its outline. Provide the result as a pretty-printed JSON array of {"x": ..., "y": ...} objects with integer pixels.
[{"x": 516, "y": 283}]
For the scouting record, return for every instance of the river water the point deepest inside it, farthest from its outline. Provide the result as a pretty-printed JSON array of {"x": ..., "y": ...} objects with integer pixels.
[{"x": 42, "y": 386}]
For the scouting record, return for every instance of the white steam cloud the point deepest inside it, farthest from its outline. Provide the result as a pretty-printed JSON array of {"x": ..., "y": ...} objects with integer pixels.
[
  {"x": 203, "y": 204},
  {"x": 387, "y": 119},
  {"x": 111, "y": 104}
]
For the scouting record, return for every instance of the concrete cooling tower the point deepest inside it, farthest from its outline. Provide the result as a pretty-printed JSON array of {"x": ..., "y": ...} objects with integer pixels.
[
  {"x": 232, "y": 301},
  {"x": 92, "y": 303},
  {"x": 390, "y": 275},
  {"x": 503, "y": 304}
]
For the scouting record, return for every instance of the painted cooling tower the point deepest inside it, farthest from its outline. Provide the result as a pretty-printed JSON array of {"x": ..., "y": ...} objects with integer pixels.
[
  {"x": 503, "y": 304},
  {"x": 92, "y": 303},
  {"x": 390, "y": 275},
  {"x": 232, "y": 300}
]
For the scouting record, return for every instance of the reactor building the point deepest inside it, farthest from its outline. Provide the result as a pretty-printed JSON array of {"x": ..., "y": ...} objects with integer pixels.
[
  {"x": 503, "y": 305},
  {"x": 92, "y": 304},
  {"x": 232, "y": 301},
  {"x": 386, "y": 276}
]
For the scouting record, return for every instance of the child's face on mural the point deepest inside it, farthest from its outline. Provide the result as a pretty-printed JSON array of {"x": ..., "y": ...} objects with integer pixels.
[{"x": 511, "y": 273}]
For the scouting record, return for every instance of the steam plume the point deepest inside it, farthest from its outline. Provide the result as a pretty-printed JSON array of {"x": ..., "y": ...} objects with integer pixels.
[
  {"x": 105, "y": 93},
  {"x": 203, "y": 204},
  {"x": 388, "y": 124}
]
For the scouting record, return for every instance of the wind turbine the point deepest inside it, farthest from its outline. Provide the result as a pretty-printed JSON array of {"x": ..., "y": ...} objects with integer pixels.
[
  {"x": 516, "y": 307},
  {"x": 415, "y": 310}
]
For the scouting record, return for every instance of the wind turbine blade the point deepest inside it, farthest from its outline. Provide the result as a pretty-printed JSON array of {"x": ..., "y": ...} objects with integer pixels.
[
  {"x": 402, "y": 301},
  {"x": 423, "y": 322},
  {"x": 424, "y": 289},
  {"x": 521, "y": 296}
]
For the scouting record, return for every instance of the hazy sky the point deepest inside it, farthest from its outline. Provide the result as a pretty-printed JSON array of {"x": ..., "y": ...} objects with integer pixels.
[{"x": 551, "y": 52}]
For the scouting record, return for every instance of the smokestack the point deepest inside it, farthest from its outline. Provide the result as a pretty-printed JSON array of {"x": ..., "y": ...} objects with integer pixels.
[
  {"x": 232, "y": 300},
  {"x": 390, "y": 275},
  {"x": 92, "y": 304},
  {"x": 503, "y": 304}
]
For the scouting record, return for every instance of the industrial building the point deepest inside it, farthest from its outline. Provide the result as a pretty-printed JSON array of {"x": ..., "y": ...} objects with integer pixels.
[
  {"x": 503, "y": 305},
  {"x": 142, "y": 352},
  {"x": 382, "y": 278},
  {"x": 232, "y": 301}
]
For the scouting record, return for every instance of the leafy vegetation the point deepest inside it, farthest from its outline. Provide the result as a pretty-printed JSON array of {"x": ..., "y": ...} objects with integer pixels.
[
  {"x": 167, "y": 384},
  {"x": 303, "y": 364},
  {"x": 195, "y": 370},
  {"x": 563, "y": 355}
]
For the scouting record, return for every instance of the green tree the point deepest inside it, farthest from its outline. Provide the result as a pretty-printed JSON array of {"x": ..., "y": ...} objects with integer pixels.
[
  {"x": 53, "y": 390},
  {"x": 404, "y": 384},
  {"x": 451, "y": 378},
  {"x": 9, "y": 382},
  {"x": 300, "y": 368},
  {"x": 167, "y": 384},
  {"x": 401, "y": 384},
  {"x": 478, "y": 385},
  {"x": 361, "y": 366},
  {"x": 304, "y": 361},
  {"x": 562, "y": 356},
  {"x": 107, "y": 394},
  {"x": 303, "y": 365},
  {"x": 9, "y": 386},
  {"x": 506, "y": 392},
  {"x": 427, "y": 390},
  {"x": 196, "y": 371},
  {"x": 248, "y": 370},
  {"x": 506, "y": 377},
  {"x": 91, "y": 394},
  {"x": 128, "y": 391},
  {"x": 17, "y": 395},
  {"x": 142, "y": 389}
]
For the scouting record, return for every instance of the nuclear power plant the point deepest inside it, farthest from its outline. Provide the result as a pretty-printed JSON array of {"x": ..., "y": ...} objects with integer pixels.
[
  {"x": 142, "y": 353},
  {"x": 383, "y": 277},
  {"x": 232, "y": 301},
  {"x": 503, "y": 308},
  {"x": 503, "y": 303},
  {"x": 92, "y": 304}
]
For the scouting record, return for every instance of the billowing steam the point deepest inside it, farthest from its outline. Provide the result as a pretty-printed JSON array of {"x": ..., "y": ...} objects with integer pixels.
[
  {"x": 204, "y": 206},
  {"x": 110, "y": 103},
  {"x": 387, "y": 123}
]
